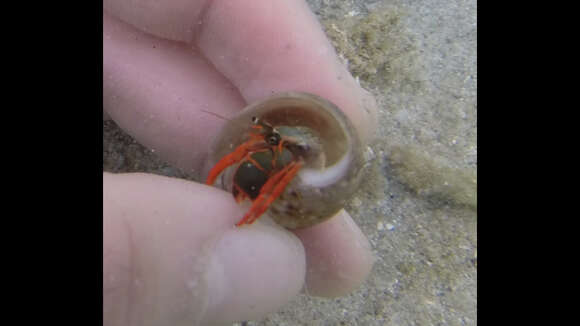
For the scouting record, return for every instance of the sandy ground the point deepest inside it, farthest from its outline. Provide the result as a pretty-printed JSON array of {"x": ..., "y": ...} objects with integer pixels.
[{"x": 419, "y": 207}]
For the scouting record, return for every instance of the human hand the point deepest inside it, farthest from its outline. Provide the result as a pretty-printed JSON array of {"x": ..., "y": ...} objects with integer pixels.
[{"x": 171, "y": 253}]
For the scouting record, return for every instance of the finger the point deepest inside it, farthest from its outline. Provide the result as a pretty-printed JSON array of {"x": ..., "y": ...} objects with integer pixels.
[
  {"x": 172, "y": 257},
  {"x": 338, "y": 256},
  {"x": 255, "y": 271},
  {"x": 265, "y": 47},
  {"x": 156, "y": 89},
  {"x": 260, "y": 46}
]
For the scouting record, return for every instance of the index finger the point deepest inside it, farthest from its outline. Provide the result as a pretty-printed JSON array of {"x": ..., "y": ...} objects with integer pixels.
[
  {"x": 265, "y": 47},
  {"x": 262, "y": 47}
]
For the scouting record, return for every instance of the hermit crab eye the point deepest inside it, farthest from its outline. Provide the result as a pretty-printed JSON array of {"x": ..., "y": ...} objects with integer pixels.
[{"x": 274, "y": 139}]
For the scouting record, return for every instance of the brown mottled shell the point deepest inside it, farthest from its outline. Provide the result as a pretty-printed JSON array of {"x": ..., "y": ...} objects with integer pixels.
[{"x": 333, "y": 167}]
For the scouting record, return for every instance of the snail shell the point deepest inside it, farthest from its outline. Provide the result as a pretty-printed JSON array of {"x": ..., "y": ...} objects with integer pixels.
[{"x": 333, "y": 165}]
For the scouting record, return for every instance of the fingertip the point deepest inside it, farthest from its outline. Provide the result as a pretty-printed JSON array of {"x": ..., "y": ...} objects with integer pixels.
[
  {"x": 338, "y": 255},
  {"x": 254, "y": 271}
]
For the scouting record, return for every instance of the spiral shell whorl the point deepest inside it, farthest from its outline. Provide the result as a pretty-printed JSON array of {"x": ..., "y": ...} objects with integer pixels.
[{"x": 333, "y": 167}]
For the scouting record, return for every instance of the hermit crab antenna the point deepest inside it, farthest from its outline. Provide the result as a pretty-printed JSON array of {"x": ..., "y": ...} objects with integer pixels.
[{"x": 216, "y": 115}]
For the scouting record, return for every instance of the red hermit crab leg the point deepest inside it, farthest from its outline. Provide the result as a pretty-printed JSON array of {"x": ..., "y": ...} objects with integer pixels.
[
  {"x": 258, "y": 204},
  {"x": 232, "y": 158},
  {"x": 271, "y": 190}
]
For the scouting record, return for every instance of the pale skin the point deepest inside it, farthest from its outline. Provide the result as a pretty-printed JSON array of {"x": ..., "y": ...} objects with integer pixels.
[{"x": 172, "y": 255}]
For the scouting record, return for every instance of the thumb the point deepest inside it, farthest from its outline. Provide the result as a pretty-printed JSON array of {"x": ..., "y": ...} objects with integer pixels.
[
  {"x": 253, "y": 271},
  {"x": 171, "y": 255}
]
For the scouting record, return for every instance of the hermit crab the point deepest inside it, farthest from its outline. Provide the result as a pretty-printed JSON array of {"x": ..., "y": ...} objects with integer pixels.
[{"x": 294, "y": 155}]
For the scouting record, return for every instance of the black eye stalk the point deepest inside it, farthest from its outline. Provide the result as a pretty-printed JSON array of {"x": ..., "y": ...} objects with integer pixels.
[{"x": 272, "y": 136}]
